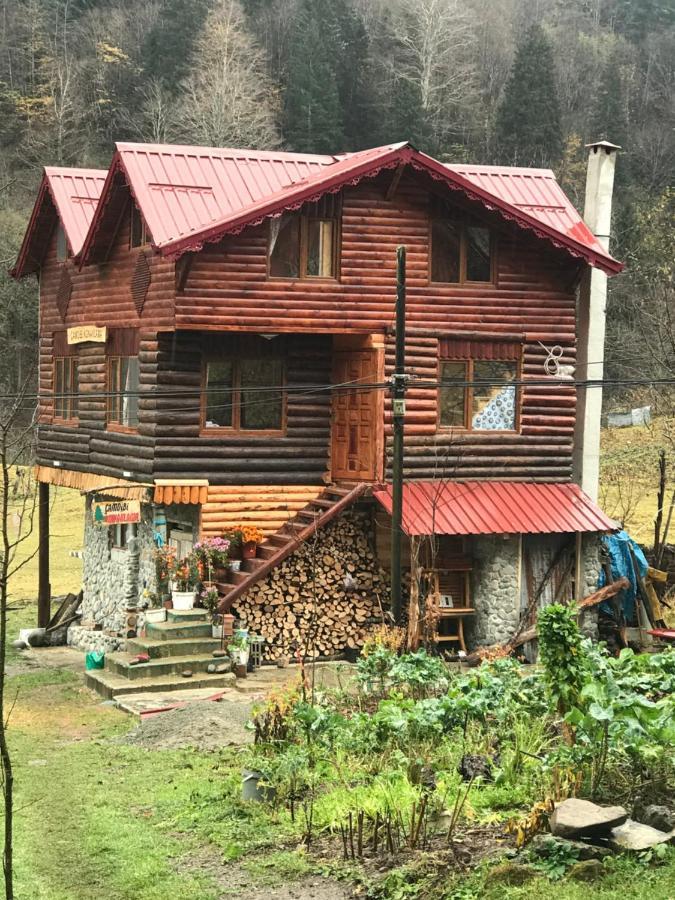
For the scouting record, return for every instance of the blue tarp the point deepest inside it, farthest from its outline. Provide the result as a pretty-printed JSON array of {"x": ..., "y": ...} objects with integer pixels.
[{"x": 622, "y": 566}]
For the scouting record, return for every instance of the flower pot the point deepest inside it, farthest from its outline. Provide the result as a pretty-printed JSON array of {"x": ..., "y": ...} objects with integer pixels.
[
  {"x": 167, "y": 603},
  {"x": 240, "y": 670},
  {"x": 249, "y": 550},
  {"x": 216, "y": 631},
  {"x": 228, "y": 624},
  {"x": 155, "y": 615},
  {"x": 252, "y": 789},
  {"x": 235, "y": 565},
  {"x": 183, "y": 599}
]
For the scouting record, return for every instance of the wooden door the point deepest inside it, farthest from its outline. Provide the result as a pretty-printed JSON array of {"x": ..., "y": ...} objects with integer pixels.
[{"x": 354, "y": 423}]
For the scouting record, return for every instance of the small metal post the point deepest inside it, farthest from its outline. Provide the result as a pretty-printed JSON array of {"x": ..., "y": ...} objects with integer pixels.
[{"x": 398, "y": 411}]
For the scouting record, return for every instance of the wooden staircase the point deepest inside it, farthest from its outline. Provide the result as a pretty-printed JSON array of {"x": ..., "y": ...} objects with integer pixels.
[{"x": 276, "y": 547}]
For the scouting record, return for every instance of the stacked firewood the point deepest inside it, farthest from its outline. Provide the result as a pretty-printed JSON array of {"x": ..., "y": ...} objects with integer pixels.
[{"x": 322, "y": 600}]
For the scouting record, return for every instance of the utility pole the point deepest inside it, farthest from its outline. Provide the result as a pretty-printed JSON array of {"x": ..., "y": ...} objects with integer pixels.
[{"x": 398, "y": 409}]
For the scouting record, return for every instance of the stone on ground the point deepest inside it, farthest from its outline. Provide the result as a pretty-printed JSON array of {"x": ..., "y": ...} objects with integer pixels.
[
  {"x": 573, "y": 818},
  {"x": 586, "y": 870},
  {"x": 541, "y": 844},
  {"x": 635, "y": 836},
  {"x": 658, "y": 816}
]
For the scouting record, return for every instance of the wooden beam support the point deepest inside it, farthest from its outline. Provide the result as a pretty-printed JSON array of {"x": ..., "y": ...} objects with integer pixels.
[{"x": 44, "y": 587}]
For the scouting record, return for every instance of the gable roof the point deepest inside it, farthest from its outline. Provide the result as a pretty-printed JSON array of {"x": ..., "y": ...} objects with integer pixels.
[
  {"x": 193, "y": 195},
  {"x": 72, "y": 195},
  {"x": 190, "y": 195}
]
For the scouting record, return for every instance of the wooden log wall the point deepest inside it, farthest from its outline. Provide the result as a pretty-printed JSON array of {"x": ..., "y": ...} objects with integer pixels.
[
  {"x": 101, "y": 295},
  {"x": 534, "y": 295},
  {"x": 269, "y": 508},
  {"x": 298, "y": 456},
  {"x": 226, "y": 288}
]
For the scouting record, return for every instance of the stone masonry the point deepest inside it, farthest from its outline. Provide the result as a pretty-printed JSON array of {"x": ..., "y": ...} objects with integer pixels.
[{"x": 494, "y": 590}]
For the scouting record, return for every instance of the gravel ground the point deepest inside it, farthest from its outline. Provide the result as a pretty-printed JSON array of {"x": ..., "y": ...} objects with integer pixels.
[{"x": 207, "y": 725}]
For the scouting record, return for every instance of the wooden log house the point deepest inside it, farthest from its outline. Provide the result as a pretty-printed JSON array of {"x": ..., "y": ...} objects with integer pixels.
[{"x": 216, "y": 337}]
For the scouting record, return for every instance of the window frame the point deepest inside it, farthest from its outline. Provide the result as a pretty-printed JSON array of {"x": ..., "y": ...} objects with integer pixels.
[
  {"x": 72, "y": 361},
  {"x": 463, "y": 224},
  {"x": 466, "y": 428},
  {"x": 61, "y": 245},
  {"x": 116, "y": 394},
  {"x": 235, "y": 428},
  {"x": 307, "y": 214},
  {"x": 137, "y": 214}
]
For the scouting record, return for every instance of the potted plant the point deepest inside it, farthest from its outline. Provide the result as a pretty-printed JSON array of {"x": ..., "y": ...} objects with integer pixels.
[
  {"x": 210, "y": 599},
  {"x": 238, "y": 649},
  {"x": 234, "y": 537},
  {"x": 153, "y": 612},
  {"x": 214, "y": 555},
  {"x": 186, "y": 577},
  {"x": 251, "y": 536},
  {"x": 165, "y": 566}
]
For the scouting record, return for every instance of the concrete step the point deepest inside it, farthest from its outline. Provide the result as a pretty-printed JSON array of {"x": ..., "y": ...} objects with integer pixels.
[
  {"x": 187, "y": 615},
  {"x": 108, "y": 685},
  {"x": 171, "y": 631},
  {"x": 158, "y": 649},
  {"x": 120, "y": 664}
]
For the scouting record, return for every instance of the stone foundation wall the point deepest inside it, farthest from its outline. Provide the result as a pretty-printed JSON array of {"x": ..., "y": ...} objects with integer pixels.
[
  {"x": 590, "y": 570},
  {"x": 494, "y": 590},
  {"x": 83, "y": 638},
  {"x": 113, "y": 578}
]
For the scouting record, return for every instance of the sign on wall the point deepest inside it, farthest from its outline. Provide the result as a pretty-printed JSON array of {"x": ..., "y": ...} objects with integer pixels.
[
  {"x": 117, "y": 512},
  {"x": 81, "y": 334}
]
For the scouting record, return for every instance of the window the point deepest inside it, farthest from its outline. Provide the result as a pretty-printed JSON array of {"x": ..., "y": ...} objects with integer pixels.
[
  {"x": 139, "y": 232},
  {"x": 61, "y": 244},
  {"x": 304, "y": 244},
  {"x": 123, "y": 387},
  {"x": 478, "y": 394},
  {"x": 121, "y": 535},
  {"x": 244, "y": 394},
  {"x": 66, "y": 388},
  {"x": 461, "y": 251}
]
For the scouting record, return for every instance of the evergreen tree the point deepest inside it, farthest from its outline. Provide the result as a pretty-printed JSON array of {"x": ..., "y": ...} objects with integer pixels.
[
  {"x": 528, "y": 130},
  {"x": 312, "y": 110},
  {"x": 168, "y": 46}
]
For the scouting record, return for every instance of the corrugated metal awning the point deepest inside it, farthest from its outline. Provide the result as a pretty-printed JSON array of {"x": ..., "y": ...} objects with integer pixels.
[{"x": 495, "y": 507}]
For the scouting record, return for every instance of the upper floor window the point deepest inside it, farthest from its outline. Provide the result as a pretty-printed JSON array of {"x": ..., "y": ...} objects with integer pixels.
[
  {"x": 461, "y": 251},
  {"x": 478, "y": 392},
  {"x": 61, "y": 244},
  {"x": 304, "y": 244},
  {"x": 123, "y": 388},
  {"x": 138, "y": 232},
  {"x": 243, "y": 394},
  {"x": 66, "y": 389}
]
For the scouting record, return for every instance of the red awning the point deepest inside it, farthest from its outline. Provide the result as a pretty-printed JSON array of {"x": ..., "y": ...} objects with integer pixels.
[{"x": 495, "y": 507}]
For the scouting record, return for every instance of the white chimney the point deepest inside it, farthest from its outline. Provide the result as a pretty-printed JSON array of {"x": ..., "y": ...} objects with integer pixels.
[{"x": 591, "y": 314}]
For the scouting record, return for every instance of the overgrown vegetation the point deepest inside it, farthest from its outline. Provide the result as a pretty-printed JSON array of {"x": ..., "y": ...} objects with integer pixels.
[{"x": 424, "y": 757}]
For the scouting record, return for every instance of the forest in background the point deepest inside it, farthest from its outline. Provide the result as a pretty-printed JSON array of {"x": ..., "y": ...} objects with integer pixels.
[{"x": 525, "y": 82}]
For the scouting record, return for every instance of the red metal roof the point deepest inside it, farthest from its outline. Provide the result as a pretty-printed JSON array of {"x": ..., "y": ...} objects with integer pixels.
[
  {"x": 535, "y": 191},
  {"x": 495, "y": 507},
  {"x": 75, "y": 194},
  {"x": 192, "y": 195}
]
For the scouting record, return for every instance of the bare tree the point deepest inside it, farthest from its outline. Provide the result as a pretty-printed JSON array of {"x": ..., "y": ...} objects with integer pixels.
[
  {"x": 437, "y": 39},
  {"x": 229, "y": 100},
  {"x": 17, "y": 509}
]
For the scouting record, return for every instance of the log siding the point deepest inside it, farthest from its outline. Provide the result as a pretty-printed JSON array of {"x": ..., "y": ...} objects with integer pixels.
[{"x": 226, "y": 288}]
